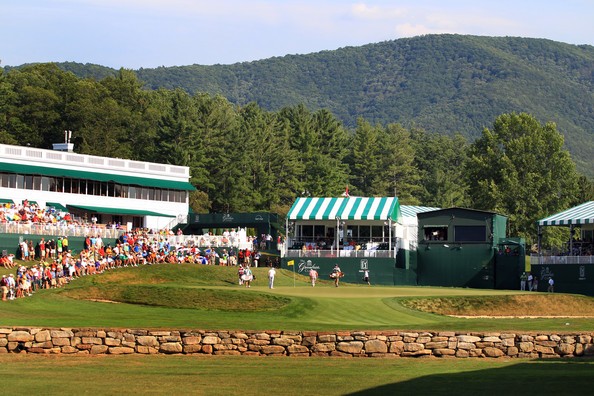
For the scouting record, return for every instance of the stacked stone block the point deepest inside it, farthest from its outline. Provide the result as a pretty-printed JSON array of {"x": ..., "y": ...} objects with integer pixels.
[{"x": 295, "y": 343}]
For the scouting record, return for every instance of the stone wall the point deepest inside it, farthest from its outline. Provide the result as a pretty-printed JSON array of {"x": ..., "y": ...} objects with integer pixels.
[{"x": 286, "y": 343}]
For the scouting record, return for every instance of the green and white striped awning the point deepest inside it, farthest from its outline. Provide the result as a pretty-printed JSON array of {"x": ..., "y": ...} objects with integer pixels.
[
  {"x": 581, "y": 214},
  {"x": 349, "y": 208}
]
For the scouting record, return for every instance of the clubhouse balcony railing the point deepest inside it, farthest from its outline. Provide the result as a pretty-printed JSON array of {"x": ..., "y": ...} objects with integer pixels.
[
  {"x": 101, "y": 164},
  {"x": 208, "y": 241},
  {"x": 72, "y": 230},
  {"x": 536, "y": 259},
  {"x": 60, "y": 229}
]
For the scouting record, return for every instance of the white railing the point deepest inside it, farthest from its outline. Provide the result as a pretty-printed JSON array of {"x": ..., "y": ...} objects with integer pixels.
[
  {"x": 551, "y": 260},
  {"x": 70, "y": 230},
  {"x": 340, "y": 253},
  {"x": 179, "y": 219},
  {"x": 102, "y": 163},
  {"x": 206, "y": 241},
  {"x": 60, "y": 229}
]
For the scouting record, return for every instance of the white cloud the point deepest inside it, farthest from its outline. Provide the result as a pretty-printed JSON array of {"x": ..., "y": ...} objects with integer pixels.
[
  {"x": 410, "y": 30},
  {"x": 376, "y": 12}
]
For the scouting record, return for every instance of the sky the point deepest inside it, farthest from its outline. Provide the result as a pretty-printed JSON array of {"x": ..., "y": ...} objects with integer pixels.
[{"x": 136, "y": 34}]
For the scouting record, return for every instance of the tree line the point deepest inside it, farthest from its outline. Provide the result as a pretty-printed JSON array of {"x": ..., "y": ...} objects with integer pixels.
[{"x": 244, "y": 158}]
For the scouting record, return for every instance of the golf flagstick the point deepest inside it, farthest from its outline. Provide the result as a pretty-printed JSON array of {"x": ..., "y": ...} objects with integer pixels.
[{"x": 292, "y": 264}]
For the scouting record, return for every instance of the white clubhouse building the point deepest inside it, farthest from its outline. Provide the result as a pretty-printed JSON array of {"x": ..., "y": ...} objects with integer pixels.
[{"x": 111, "y": 190}]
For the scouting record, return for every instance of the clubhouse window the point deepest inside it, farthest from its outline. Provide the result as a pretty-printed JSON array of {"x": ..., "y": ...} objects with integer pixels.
[{"x": 89, "y": 187}]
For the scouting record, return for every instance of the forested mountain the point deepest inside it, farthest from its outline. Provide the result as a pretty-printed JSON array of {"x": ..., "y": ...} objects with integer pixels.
[{"x": 440, "y": 83}]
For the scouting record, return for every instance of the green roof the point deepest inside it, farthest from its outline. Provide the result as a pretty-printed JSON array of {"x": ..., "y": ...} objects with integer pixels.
[
  {"x": 118, "y": 211},
  {"x": 6, "y": 201},
  {"x": 351, "y": 208},
  {"x": 412, "y": 210},
  {"x": 97, "y": 176}
]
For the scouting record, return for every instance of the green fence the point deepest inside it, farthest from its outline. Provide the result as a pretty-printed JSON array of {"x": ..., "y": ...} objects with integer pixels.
[
  {"x": 381, "y": 270},
  {"x": 441, "y": 264},
  {"x": 10, "y": 242},
  {"x": 508, "y": 269},
  {"x": 405, "y": 273},
  {"x": 569, "y": 278}
]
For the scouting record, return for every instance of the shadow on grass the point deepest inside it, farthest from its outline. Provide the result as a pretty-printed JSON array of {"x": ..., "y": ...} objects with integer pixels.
[{"x": 535, "y": 377}]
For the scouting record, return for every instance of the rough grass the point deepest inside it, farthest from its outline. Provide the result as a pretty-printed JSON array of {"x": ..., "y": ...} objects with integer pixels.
[
  {"x": 179, "y": 297},
  {"x": 186, "y": 274},
  {"x": 529, "y": 305}
]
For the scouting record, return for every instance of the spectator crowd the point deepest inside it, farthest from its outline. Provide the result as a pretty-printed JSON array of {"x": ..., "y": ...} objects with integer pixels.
[
  {"x": 31, "y": 213},
  {"x": 54, "y": 264}
]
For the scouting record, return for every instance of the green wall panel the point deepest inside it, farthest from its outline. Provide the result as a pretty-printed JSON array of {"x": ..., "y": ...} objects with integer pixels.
[
  {"x": 381, "y": 270},
  {"x": 404, "y": 277},
  {"x": 10, "y": 242},
  {"x": 454, "y": 266},
  {"x": 569, "y": 278}
]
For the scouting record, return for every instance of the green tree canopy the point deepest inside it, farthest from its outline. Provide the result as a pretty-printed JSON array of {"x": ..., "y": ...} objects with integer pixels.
[
  {"x": 318, "y": 140},
  {"x": 397, "y": 174},
  {"x": 520, "y": 169},
  {"x": 441, "y": 162},
  {"x": 364, "y": 158}
]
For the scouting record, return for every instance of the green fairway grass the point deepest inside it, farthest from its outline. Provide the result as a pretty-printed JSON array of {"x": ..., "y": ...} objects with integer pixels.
[
  {"x": 208, "y": 297},
  {"x": 221, "y": 375}
]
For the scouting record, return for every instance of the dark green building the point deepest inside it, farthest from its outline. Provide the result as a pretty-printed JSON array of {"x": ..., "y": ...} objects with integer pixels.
[{"x": 461, "y": 247}]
